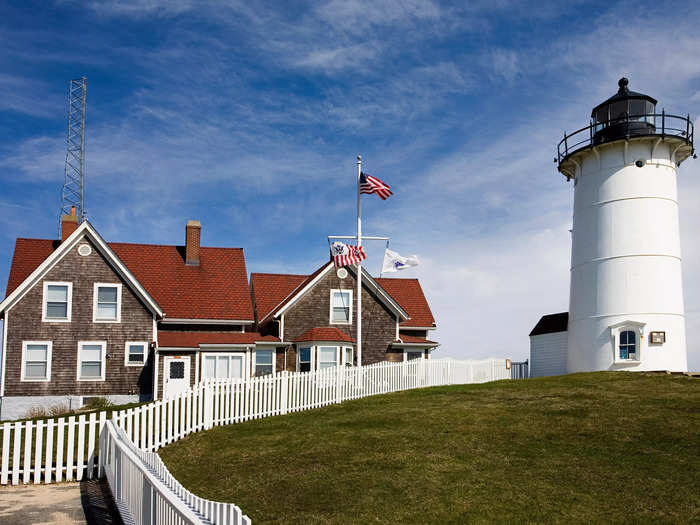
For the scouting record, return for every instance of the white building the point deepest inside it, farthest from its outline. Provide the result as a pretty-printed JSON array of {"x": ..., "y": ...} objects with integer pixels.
[{"x": 626, "y": 297}]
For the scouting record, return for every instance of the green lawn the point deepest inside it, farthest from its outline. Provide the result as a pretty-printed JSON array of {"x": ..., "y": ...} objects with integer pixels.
[{"x": 603, "y": 447}]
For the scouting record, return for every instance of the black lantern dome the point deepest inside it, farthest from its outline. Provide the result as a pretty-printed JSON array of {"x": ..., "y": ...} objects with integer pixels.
[{"x": 624, "y": 114}]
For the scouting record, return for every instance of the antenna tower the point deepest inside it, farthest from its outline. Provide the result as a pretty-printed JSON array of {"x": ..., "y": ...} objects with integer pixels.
[{"x": 72, "y": 192}]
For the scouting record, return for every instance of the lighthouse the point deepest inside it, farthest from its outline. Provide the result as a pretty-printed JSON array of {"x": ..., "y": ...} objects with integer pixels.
[{"x": 626, "y": 296}]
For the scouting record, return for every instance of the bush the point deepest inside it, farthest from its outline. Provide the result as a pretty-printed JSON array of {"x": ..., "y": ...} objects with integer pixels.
[
  {"x": 60, "y": 409},
  {"x": 35, "y": 412},
  {"x": 98, "y": 403}
]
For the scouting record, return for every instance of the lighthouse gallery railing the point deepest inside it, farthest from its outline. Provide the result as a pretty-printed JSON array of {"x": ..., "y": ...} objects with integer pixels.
[{"x": 650, "y": 124}]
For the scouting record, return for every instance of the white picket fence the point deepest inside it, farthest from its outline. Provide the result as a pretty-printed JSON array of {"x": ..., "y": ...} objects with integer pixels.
[
  {"x": 147, "y": 493},
  {"x": 67, "y": 449}
]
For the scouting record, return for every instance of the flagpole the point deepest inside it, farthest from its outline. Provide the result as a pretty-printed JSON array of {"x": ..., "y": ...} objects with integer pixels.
[{"x": 359, "y": 264}]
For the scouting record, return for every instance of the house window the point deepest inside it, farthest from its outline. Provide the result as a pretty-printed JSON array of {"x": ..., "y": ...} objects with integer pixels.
[
  {"x": 349, "y": 356},
  {"x": 135, "y": 354},
  {"x": 305, "y": 359},
  {"x": 628, "y": 345},
  {"x": 413, "y": 354},
  {"x": 341, "y": 306},
  {"x": 327, "y": 357},
  {"x": 36, "y": 361},
  {"x": 264, "y": 362},
  {"x": 223, "y": 366},
  {"x": 91, "y": 360},
  {"x": 57, "y": 302},
  {"x": 107, "y": 302}
]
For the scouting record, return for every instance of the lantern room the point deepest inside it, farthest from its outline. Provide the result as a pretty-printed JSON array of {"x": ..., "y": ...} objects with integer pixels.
[{"x": 623, "y": 115}]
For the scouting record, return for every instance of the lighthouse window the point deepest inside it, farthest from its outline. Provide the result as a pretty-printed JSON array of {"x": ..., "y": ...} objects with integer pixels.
[
  {"x": 619, "y": 110},
  {"x": 637, "y": 109},
  {"x": 628, "y": 345}
]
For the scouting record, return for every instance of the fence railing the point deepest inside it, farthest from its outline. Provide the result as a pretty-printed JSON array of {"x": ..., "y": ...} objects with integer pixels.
[
  {"x": 145, "y": 491},
  {"x": 123, "y": 448},
  {"x": 520, "y": 370},
  {"x": 658, "y": 124}
]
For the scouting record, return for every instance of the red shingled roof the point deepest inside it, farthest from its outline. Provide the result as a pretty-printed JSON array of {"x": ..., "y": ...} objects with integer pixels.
[
  {"x": 216, "y": 289},
  {"x": 29, "y": 254},
  {"x": 173, "y": 339},
  {"x": 324, "y": 333},
  {"x": 417, "y": 340},
  {"x": 270, "y": 289},
  {"x": 409, "y": 294}
]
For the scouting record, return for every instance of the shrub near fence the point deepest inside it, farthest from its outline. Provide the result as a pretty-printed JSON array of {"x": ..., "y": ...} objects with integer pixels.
[{"x": 67, "y": 448}]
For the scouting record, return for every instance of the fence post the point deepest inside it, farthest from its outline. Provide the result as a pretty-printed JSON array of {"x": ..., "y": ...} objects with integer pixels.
[
  {"x": 338, "y": 383},
  {"x": 208, "y": 405},
  {"x": 285, "y": 392},
  {"x": 449, "y": 372}
]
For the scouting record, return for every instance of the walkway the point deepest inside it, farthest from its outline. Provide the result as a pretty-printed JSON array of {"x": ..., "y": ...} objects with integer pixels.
[{"x": 61, "y": 503}]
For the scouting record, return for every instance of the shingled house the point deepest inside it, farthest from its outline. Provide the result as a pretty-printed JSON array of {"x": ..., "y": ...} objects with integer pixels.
[
  {"x": 86, "y": 318},
  {"x": 314, "y": 315}
]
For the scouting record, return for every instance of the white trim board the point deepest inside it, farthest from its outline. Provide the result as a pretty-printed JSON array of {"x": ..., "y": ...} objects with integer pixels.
[{"x": 84, "y": 230}]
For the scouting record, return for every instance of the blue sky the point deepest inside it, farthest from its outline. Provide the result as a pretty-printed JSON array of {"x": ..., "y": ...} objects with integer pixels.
[{"x": 249, "y": 119}]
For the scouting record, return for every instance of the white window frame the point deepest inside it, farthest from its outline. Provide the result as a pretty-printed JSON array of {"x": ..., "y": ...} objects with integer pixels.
[
  {"x": 318, "y": 355},
  {"x": 312, "y": 350},
  {"x": 103, "y": 344},
  {"x": 631, "y": 326},
  {"x": 274, "y": 359},
  {"x": 44, "y": 302},
  {"x": 344, "y": 357},
  {"x": 330, "y": 311},
  {"x": 406, "y": 351},
  {"x": 126, "y": 353},
  {"x": 244, "y": 355},
  {"x": 49, "y": 347},
  {"x": 95, "y": 289}
]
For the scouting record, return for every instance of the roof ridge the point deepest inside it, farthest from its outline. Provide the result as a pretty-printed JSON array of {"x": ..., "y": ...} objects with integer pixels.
[
  {"x": 33, "y": 239},
  {"x": 278, "y": 274},
  {"x": 173, "y": 245}
]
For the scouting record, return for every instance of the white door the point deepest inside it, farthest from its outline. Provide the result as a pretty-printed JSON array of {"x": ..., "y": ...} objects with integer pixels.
[{"x": 176, "y": 375}]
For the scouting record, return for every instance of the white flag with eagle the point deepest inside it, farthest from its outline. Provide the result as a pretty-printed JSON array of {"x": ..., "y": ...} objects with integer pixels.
[{"x": 393, "y": 262}]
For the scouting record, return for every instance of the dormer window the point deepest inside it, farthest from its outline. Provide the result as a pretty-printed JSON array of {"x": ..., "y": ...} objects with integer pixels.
[
  {"x": 57, "y": 302},
  {"x": 341, "y": 307},
  {"x": 107, "y": 303}
]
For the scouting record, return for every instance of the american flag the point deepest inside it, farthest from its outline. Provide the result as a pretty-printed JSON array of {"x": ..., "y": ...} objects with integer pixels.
[
  {"x": 369, "y": 184},
  {"x": 345, "y": 254}
]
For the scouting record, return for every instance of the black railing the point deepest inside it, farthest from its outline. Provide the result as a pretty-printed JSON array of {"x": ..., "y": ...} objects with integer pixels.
[{"x": 658, "y": 124}]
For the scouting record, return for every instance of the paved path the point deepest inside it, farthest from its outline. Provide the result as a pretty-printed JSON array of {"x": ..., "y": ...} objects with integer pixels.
[{"x": 60, "y": 503}]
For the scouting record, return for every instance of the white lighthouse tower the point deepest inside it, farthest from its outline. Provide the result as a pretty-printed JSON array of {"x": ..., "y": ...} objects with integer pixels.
[{"x": 626, "y": 298}]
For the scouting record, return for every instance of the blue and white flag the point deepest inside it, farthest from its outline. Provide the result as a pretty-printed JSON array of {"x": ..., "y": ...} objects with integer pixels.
[{"x": 393, "y": 262}]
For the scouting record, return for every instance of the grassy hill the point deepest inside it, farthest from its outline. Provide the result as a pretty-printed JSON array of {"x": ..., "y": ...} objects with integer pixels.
[{"x": 601, "y": 447}]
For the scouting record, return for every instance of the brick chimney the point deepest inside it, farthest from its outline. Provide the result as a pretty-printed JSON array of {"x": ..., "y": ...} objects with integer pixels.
[
  {"x": 192, "y": 234},
  {"x": 69, "y": 223}
]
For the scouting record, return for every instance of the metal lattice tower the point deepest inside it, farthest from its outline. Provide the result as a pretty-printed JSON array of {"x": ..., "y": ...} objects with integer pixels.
[{"x": 72, "y": 192}]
